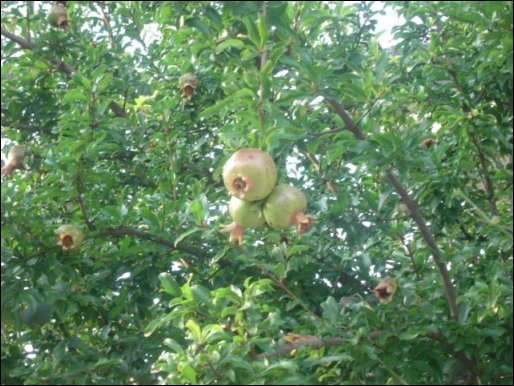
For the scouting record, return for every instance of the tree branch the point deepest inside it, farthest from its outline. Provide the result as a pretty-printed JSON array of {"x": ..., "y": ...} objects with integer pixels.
[
  {"x": 115, "y": 108},
  {"x": 122, "y": 231},
  {"x": 327, "y": 342},
  {"x": 414, "y": 211},
  {"x": 105, "y": 19},
  {"x": 317, "y": 166},
  {"x": 314, "y": 343},
  {"x": 24, "y": 126},
  {"x": 88, "y": 222}
]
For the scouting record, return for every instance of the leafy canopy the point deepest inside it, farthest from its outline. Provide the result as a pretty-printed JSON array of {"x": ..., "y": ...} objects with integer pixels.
[{"x": 156, "y": 294}]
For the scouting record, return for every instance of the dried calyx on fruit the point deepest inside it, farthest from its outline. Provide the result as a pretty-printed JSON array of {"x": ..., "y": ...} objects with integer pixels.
[
  {"x": 250, "y": 174},
  {"x": 286, "y": 206},
  {"x": 69, "y": 237},
  {"x": 244, "y": 215},
  {"x": 385, "y": 290},
  {"x": 58, "y": 16},
  {"x": 14, "y": 160},
  {"x": 188, "y": 83}
]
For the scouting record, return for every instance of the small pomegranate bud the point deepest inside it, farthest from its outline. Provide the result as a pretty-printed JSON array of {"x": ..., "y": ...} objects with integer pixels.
[
  {"x": 188, "y": 83},
  {"x": 428, "y": 142},
  {"x": 69, "y": 237},
  {"x": 402, "y": 209},
  {"x": 286, "y": 206},
  {"x": 385, "y": 290},
  {"x": 58, "y": 16},
  {"x": 14, "y": 160},
  {"x": 250, "y": 174},
  {"x": 245, "y": 215}
]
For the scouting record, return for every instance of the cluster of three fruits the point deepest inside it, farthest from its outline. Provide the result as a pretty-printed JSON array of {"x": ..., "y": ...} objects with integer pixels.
[{"x": 250, "y": 176}]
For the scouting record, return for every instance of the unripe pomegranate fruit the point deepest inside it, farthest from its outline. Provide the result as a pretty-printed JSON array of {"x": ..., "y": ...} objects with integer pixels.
[
  {"x": 14, "y": 160},
  {"x": 188, "y": 83},
  {"x": 69, "y": 237},
  {"x": 250, "y": 174},
  {"x": 58, "y": 16},
  {"x": 286, "y": 206},
  {"x": 245, "y": 215}
]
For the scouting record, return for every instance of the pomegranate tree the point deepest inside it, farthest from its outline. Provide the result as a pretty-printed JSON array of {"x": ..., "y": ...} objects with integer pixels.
[
  {"x": 286, "y": 206},
  {"x": 244, "y": 215},
  {"x": 250, "y": 174}
]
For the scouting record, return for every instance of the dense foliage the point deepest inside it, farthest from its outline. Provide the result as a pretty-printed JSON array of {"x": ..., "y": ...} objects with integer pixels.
[{"x": 156, "y": 294}]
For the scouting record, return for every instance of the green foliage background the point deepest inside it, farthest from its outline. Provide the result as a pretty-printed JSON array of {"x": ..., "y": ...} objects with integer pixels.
[{"x": 156, "y": 294}]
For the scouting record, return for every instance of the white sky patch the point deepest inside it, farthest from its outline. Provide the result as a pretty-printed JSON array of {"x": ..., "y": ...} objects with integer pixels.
[
  {"x": 385, "y": 24},
  {"x": 126, "y": 275},
  {"x": 435, "y": 127},
  {"x": 351, "y": 167}
]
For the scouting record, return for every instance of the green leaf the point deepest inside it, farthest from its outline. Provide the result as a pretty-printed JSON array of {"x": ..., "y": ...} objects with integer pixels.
[
  {"x": 169, "y": 284},
  {"x": 196, "y": 22},
  {"x": 215, "y": 109},
  {"x": 202, "y": 295},
  {"x": 251, "y": 29},
  {"x": 229, "y": 43},
  {"x": 155, "y": 324},
  {"x": 194, "y": 330},
  {"x": 75, "y": 95},
  {"x": 189, "y": 374},
  {"x": 185, "y": 234},
  {"x": 263, "y": 30}
]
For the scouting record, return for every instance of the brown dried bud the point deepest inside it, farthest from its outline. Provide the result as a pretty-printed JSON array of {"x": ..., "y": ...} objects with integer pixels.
[
  {"x": 188, "y": 83},
  {"x": 14, "y": 160},
  {"x": 385, "y": 290},
  {"x": 428, "y": 142},
  {"x": 69, "y": 237},
  {"x": 58, "y": 15}
]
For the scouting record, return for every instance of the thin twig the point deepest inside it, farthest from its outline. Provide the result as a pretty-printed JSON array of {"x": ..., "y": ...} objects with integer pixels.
[
  {"x": 317, "y": 166},
  {"x": 105, "y": 19},
  {"x": 122, "y": 231}
]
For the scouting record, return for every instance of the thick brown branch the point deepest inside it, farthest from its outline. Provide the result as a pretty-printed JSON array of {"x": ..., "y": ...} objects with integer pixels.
[
  {"x": 414, "y": 211},
  {"x": 131, "y": 232},
  {"x": 350, "y": 125},
  {"x": 427, "y": 235},
  {"x": 116, "y": 109}
]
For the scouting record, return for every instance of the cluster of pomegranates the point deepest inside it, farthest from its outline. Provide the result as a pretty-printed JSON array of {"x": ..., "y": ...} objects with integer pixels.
[{"x": 250, "y": 176}]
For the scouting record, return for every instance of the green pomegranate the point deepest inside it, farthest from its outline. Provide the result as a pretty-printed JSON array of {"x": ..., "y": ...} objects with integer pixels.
[
  {"x": 244, "y": 215},
  {"x": 250, "y": 174},
  {"x": 286, "y": 206},
  {"x": 58, "y": 16}
]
